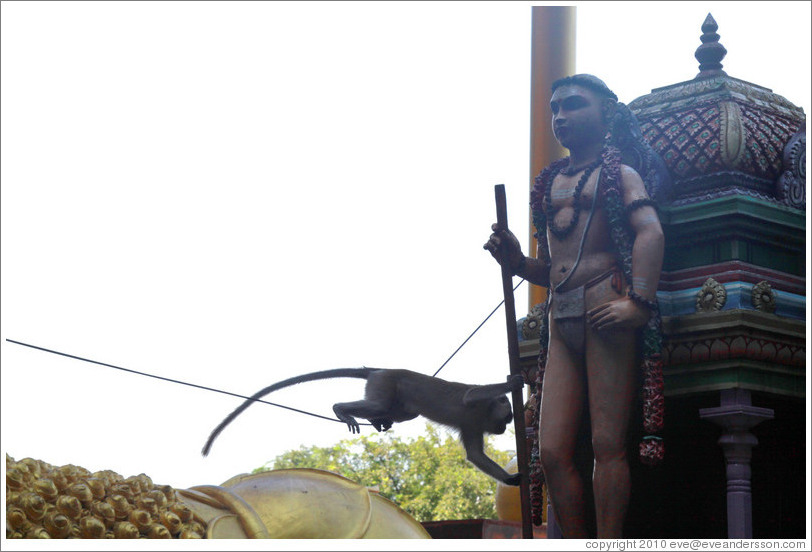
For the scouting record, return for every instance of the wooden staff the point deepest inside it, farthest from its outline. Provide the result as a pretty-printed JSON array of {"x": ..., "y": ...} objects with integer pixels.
[{"x": 515, "y": 368}]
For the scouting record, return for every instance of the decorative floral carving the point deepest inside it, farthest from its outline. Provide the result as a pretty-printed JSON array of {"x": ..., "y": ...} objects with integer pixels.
[
  {"x": 791, "y": 186},
  {"x": 685, "y": 95},
  {"x": 531, "y": 325},
  {"x": 711, "y": 297},
  {"x": 763, "y": 297},
  {"x": 734, "y": 346}
]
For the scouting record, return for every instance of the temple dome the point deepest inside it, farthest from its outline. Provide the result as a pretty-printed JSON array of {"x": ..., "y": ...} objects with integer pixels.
[{"x": 719, "y": 132}]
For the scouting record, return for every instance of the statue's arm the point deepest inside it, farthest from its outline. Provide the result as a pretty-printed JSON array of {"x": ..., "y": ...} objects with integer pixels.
[
  {"x": 649, "y": 241},
  {"x": 534, "y": 271},
  {"x": 505, "y": 248},
  {"x": 647, "y": 261}
]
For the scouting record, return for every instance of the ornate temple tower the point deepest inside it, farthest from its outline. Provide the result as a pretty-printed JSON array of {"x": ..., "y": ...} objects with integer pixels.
[
  {"x": 732, "y": 293},
  {"x": 733, "y": 299}
]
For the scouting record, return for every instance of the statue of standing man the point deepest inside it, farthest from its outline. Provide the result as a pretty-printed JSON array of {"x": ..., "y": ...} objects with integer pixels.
[{"x": 600, "y": 252}]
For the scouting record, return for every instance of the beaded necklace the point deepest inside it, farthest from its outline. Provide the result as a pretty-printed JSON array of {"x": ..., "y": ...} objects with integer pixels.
[{"x": 559, "y": 232}]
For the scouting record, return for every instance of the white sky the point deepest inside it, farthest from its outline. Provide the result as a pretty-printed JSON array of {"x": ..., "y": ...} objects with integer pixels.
[{"x": 231, "y": 194}]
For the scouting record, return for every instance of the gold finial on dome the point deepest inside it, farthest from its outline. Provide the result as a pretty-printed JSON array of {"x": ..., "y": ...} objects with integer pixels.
[{"x": 710, "y": 53}]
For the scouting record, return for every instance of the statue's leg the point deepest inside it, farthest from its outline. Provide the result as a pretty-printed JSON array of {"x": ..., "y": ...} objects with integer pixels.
[
  {"x": 611, "y": 374},
  {"x": 562, "y": 403}
]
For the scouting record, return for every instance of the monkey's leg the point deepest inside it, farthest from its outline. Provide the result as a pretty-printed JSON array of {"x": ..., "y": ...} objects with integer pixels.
[
  {"x": 375, "y": 412},
  {"x": 381, "y": 424}
]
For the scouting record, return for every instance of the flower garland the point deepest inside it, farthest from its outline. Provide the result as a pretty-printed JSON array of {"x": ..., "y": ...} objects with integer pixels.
[{"x": 651, "y": 447}]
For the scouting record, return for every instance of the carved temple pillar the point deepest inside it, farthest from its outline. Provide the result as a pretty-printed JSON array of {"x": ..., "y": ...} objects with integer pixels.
[{"x": 736, "y": 416}]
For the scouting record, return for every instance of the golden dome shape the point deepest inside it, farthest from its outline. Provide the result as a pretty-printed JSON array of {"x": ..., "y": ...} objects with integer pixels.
[
  {"x": 508, "y": 497},
  {"x": 45, "y": 501},
  {"x": 300, "y": 503}
]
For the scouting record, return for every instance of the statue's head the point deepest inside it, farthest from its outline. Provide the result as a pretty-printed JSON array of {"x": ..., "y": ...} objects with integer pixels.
[
  {"x": 583, "y": 107},
  {"x": 586, "y": 111}
]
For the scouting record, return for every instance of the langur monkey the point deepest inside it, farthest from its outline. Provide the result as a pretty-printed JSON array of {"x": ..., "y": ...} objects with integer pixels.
[{"x": 400, "y": 395}]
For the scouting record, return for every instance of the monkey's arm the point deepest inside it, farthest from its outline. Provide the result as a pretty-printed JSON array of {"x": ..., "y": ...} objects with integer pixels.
[
  {"x": 494, "y": 390},
  {"x": 474, "y": 445}
]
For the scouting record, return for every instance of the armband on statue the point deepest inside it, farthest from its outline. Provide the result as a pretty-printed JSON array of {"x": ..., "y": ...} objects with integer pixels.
[
  {"x": 639, "y": 203},
  {"x": 652, "y": 306}
]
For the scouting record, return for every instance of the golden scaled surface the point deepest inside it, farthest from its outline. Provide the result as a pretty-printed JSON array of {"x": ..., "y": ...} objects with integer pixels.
[{"x": 44, "y": 501}]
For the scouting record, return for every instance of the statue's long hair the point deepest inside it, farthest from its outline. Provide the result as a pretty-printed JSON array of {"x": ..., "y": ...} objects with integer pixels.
[{"x": 625, "y": 135}]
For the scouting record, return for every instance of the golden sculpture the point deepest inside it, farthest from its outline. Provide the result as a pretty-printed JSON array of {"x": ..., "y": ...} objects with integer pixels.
[{"x": 44, "y": 501}]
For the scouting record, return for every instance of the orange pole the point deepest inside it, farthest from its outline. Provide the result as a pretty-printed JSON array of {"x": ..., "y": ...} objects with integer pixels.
[{"x": 552, "y": 57}]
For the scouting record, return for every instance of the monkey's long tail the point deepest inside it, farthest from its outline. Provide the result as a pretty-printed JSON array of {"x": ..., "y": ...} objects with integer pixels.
[{"x": 362, "y": 373}]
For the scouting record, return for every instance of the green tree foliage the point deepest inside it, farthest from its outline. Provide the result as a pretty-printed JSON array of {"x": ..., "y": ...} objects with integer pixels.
[{"x": 428, "y": 477}]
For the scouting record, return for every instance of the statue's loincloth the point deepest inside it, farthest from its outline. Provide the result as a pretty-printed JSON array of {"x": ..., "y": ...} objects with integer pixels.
[{"x": 568, "y": 308}]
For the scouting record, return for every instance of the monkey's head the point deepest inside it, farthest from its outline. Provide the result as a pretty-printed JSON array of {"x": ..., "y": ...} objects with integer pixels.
[{"x": 500, "y": 415}]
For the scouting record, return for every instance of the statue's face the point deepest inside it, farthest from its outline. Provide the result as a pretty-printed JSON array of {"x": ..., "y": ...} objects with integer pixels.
[{"x": 578, "y": 116}]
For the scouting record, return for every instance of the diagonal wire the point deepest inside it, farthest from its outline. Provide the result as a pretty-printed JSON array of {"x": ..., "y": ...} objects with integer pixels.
[
  {"x": 502, "y": 302},
  {"x": 237, "y": 394},
  {"x": 172, "y": 380}
]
